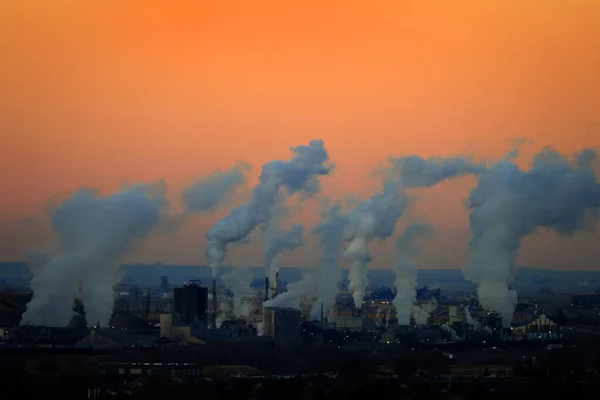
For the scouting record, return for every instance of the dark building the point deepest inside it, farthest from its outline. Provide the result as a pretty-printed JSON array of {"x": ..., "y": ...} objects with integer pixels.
[{"x": 190, "y": 303}]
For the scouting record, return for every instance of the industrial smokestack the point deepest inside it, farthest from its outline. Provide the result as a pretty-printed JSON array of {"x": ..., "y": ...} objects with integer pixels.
[
  {"x": 267, "y": 288},
  {"x": 214, "y": 296},
  {"x": 276, "y": 285},
  {"x": 321, "y": 312}
]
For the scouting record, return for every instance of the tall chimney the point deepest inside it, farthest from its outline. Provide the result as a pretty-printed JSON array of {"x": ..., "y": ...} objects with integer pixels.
[
  {"x": 266, "y": 288},
  {"x": 214, "y": 296},
  {"x": 276, "y": 285}
]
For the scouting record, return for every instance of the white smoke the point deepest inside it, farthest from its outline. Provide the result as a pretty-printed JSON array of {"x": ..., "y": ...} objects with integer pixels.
[
  {"x": 296, "y": 293},
  {"x": 358, "y": 253},
  {"x": 238, "y": 280},
  {"x": 509, "y": 204},
  {"x": 476, "y": 325},
  {"x": 406, "y": 270},
  {"x": 452, "y": 332},
  {"x": 94, "y": 234},
  {"x": 214, "y": 190},
  {"x": 330, "y": 232},
  {"x": 299, "y": 175},
  {"x": 278, "y": 242},
  {"x": 421, "y": 312},
  {"x": 377, "y": 216}
]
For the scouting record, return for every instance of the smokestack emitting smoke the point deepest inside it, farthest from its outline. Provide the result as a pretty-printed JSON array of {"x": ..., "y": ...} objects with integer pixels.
[
  {"x": 299, "y": 175},
  {"x": 279, "y": 242},
  {"x": 330, "y": 233},
  {"x": 406, "y": 270},
  {"x": 508, "y": 204},
  {"x": 94, "y": 233},
  {"x": 377, "y": 216},
  {"x": 296, "y": 293},
  {"x": 238, "y": 281}
]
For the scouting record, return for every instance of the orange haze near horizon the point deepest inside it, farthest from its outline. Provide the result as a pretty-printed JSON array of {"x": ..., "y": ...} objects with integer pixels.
[{"x": 101, "y": 93}]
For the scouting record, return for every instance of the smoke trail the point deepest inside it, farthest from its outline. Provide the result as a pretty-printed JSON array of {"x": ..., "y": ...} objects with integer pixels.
[
  {"x": 377, "y": 216},
  {"x": 207, "y": 193},
  {"x": 406, "y": 270},
  {"x": 476, "y": 325},
  {"x": 454, "y": 336},
  {"x": 278, "y": 243},
  {"x": 508, "y": 204},
  {"x": 416, "y": 172},
  {"x": 94, "y": 234},
  {"x": 299, "y": 175},
  {"x": 296, "y": 294},
  {"x": 238, "y": 280},
  {"x": 422, "y": 312},
  {"x": 330, "y": 233}
]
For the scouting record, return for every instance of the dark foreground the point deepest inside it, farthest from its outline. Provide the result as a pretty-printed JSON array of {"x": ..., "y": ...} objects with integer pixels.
[
  {"x": 301, "y": 388},
  {"x": 305, "y": 373}
]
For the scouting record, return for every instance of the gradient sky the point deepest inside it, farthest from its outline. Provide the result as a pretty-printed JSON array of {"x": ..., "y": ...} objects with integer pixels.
[{"x": 100, "y": 93}]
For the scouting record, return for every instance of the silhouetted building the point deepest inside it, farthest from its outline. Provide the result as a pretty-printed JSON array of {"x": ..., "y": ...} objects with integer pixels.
[
  {"x": 283, "y": 325},
  {"x": 190, "y": 304}
]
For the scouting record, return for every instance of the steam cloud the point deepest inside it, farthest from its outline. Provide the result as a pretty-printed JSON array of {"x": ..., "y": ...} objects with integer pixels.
[
  {"x": 238, "y": 280},
  {"x": 377, "y": 216},
  {"x": 330, "y": 233},
  {"x": 299, "y": 175},
  {"x": 508, "y": 204},
  {"x": 210, "y": 192},
  {"x": 278, "y": 243},
  {"x": 406, "y": 270},
  {"x": 296, "y": 294},
  {"x": 94, "y": 234}
]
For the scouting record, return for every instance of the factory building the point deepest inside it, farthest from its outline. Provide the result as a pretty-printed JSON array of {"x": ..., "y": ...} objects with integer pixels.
[
  {"x": 283, "y": 324},
  {"x": 541, "y": 327},
  {"x": 190, "y": 303}
]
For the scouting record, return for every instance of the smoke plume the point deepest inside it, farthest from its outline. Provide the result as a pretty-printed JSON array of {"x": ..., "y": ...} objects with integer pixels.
[
  {"x": 417, "y": 172},
  {"x": 207, "y": 193},
  {"x": 330, "y": 233},
  {"x": 278, "y": 243},
  {"x": 299, "y": 175},
  {"x": 422, "y": 312},
  {"x": 94, "y": 234},
  {"x": 454, "y": 336},
  {"x": 473, "y": 323},
  {"x": 508, "y": 204},
  {"x": 377, "y": 216},
  {"x": 406, "y": 270},
  {"x": 238, "y": 280},
  {"x": 296, "y": 293}
]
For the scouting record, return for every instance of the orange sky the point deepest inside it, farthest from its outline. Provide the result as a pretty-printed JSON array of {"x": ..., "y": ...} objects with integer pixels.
[{"x": 98, "y": 93}]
